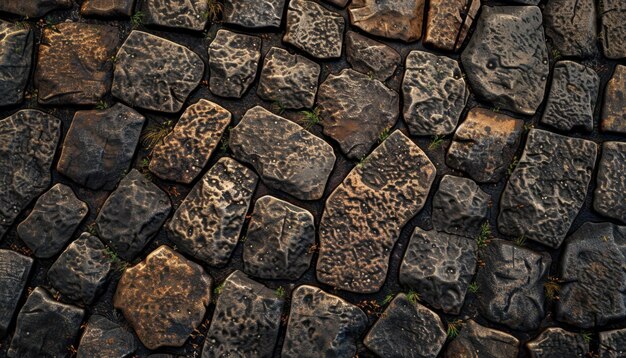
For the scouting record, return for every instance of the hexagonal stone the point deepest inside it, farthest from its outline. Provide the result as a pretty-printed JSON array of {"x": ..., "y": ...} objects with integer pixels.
[
  {"x": 363, "y": 216},
  {"x": 547, "y": 188},
  {"x": 557, "y": 342},
  {"x": 107, "y": 8},
  {"x": 16, "y": 52},
  {"x": 614, "y": 107},
  {"x": 246, "y": 320},
  {"x": 186, "y": 150},
  {"x": 286, "y": 156},
  {"x": 484, "y": 144},
  {"x": 506, "y": 60},
  {"x": 33, "y": 8},
  {"x": 99, "y": 146},
  {"x": 609, "y": 198},
  {"x": 164, "y": 298},
  {"x": 448, "y": 23},
  {"x": 154, "y": 73},
  {"x": 394, "y": 19},
  {"x": 208, "y": 222},
  {"x": 14, "y": 271},
  {"x": 479, "y": 341},
  {"x": 371, "y": 57},
  {"x": 183, "y": 14},
  {"x": 613, "y": 343},
  {"x": 613, "y": 18},
  {"x": 253, "y": 13},
  {"x": 322, "y": 324},
  {"x": 314, "y": 29},
  {"x": 103, "y": 338},
  {"x": 279, "y": 239},
  {"x": 571, "y": 26}
]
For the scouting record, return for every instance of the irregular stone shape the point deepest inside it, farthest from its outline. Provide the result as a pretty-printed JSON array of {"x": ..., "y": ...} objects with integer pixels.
[
  {"x": 164, "y": 298},
  {"x": 613, "y": 18},
  {"x": 107, "y": 8},
  {"x": 16, "y": 52},
  {"x": 406, "y": 329},
  {"x": 246, "y": 320},
  {"x": 183, "y": 14},
  {"x": 363, "y": 217},
  {"x": 557, "y": 342},
  {"x": 14, "y": 271},
  {"x": 371, "y": 57},
  {"x": 28, "y": 142},
  {"x": 33, "y": 8},
  {"x": 609, "y": 198},
  {"x": 476, "y": 341},
  {"x": 511, "y": 285},
  {"x": 45, "y": 327},
  {"x": 288, "y": 79},
  {"x": 154, "y": 73},
  {"x": 614, "y": 107},
  {"x": 440, "y": 267},
  {"x": 279, "y": 240},
  {"x": 103, "y": 338},
  {"x": 99, "y": 146},
  {"x": 394, "y": 19},
  {"x": 547, "y": 188},
  {"x": 208, "y": 222},
  {"x": 314, "y": 29},
  {"x": 448, "y": 23},
  {"x": 484, "y": 144},
  {"x": 186, "y": 150},
  {"x": 286, "y": 156},
  {"x": 571, "y": 26},
  {"x": 253, "y": 13},
  {"x": 593, "y": 292},
  {"x": 321, "y": 324},
  {"x": 613, "y": 343},
  {"x": 434, "y": 93},
  {"x": 506, "y": 60},
  {"x": 53, "y": 221},
  {"x": 355, "y": 110}
]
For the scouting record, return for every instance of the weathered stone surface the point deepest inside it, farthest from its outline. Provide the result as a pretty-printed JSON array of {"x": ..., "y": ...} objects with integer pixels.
[
  {"x": 613, "y": 343},
  {"x": 511, "y": 285},
  {"x": 164, "y": 298},
  {"x": 233, "y": 61},
  {"x": 440, "y": 267},
  {"x": 484, "y": 144},
  {"x": 371, "y": 57},
  {"x": 547, "y": 188},
  {"x": 613, "y": 18},
  {"x": 506, "y": 60},
  {"x": 246, "y": 320},
  {"x": 14, "y": 271},
  {"x": 406, "y": 329},
  {"x": 53, "y": 221},
  {"x": 280, "y": 236},
  {"x": 476, "y": 341},
  {"x": 154, "y": 73},
  {"x": 593, "y": 292},
  {"x": 33, "y": 8},
  {"x": 609, "y": 198},
  {"x": 184, "y": 14},
  {"x": 434, "y": 93},
  {"x": 394, "y": 19},
  {"x": 321, "y": 324},
  {"x": 614, "y": 107},
  {"x": 314, "y": 29},
  {"x": 185, "y": 151},
  {"x": 208, "y": 222},
  {"x": 286, "y": 156},
  {"x": 99, "y": 146},
  {"x": 364, "y": 215},
  {"x": 16, "y": 52},
  {"x": 28, "y": 142},
  {"x": 107, "y": 8},
  {"x": 290, "y": 80},
  {"x": 103, "y": 338},
  {"x": 557, "y": 342},
  {"x": 571, "y": 26},
  {"x": 254, "y": 13},
  {"x": 448, "y": 23}
]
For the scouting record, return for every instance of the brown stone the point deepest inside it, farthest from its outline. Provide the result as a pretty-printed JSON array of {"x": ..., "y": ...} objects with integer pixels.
[
  {"x": 476, "y": 341},
  {"x": 448, "y": 23},
  {"x": 33, "y": 8},
  {"x": 557, "y": 342},
  {"x": 394, "y": 19},
  {"x": 613, "y": 29},
  {"x": 614, "y": 108},
  {"x": 371, "y": 57},
  {"x": 107, "y": 8}
]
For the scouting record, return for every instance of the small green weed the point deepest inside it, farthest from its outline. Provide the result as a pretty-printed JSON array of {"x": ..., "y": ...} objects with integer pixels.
[
  {"x": 155, "y": 134},
  {"x": 484, "y": 235},
  {"x": 281, "y": 292},
  {"x": 413, "y": 297},
  {"x": 312, "y": 118},
  {"x": 436, "y": 142},
  {"x": 473, "y": 288},
  {"x": 137, "y": 19}
]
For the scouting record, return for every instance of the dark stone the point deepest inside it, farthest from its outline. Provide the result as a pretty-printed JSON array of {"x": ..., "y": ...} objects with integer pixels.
[
  {"x": 33, "y": 8},
  {"x": 614, "y": 107},
  {"x": 371, "y": 57},
  {"x": 394, "y": 19},
  {"x": 14, "y": 271},
  {"x": 254, "y": 13},
  {"x": 107, "y": 8},
  {"x": 609, "y": 198},
  {"x": 16, "y": 52},
  {"x": 449, "y": 22},
  {"x": 476, "y": 341},
  {"x": 571, "y": 27},
  {"x": 183, "y": 14},
  {"x": 103, "y": 338},
  {"x": 613, "y": 30},
  {"x": 613, "y": 343},
  {"x": 557, "y": 342},
  {"x": 338, "y": 3}
]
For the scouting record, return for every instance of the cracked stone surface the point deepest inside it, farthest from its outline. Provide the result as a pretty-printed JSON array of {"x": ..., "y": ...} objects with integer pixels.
[
  {"x": 613, "y": 28},
  {"x": 571, "y": 26},
  {"x": 104, "y": 338},
  {"x": 557, "y": 342},
  {"x": 233, "y": 62},
  {"x": 449, "y": 22},
  {"x": 16, "y": 52},
  {"x": 609, "y": 198},
  {"x": 394, "y": 19},
  {"x": 254, "y": 13},
  {"x": 33, "y": 8},
  {"x": 107, "y": 8},
  {"x": 184, "y": 14},
  {"x": 14, "y": 272},
  {"x": 476, "y": 341},
  {"x": 613, "y": 343},
  {"x": 371, "y": 57},
  {"x": 614, "y": 107}
]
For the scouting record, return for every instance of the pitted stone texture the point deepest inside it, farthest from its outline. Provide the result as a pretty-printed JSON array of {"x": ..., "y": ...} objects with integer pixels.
[
  {"x": 394, "y": 19},
  {"x": 593, "y": 292},
  {"x": 314, "y": 29},
  {"x": 208, "y": 222},
  {"x": 246, "y": 320},
  {"x": 614, "y": 107},
  {"x": 53, "y": 221},
  {"x": 448, "y": 23},
  {"x": 14, "y": 271},
  {"x": 613, "y": 30},
  {"x": 609, "y": 198},
  {"x": 103, "y": 338},
  {"x": 476, "y": 341},
  {"x": 164, "y": 298},
  {"x": 321, "y": 324},
  {"x": 184, "y": 14},
  {"x": 571, "y": 26},
  {"x": 28, "y": 142},
  {"x": 506, "y": 60},
  {"x": 107, "y": 8},
  {"x": 288, "y": 79},
  {"x": 440, "y": 267},
  {"x": 254, "y": 13},
  {"x": 286, "y": 156},
  {"x": 547, "y": 188},
  {"x": 233, "y": 61},
  {"x": 99, "y": 146},
  {"x": 406, "y": 329},
  {"x": 434, "y": 93},
  {"x": 16, "y": 52},
  {"x": 33, "y": 8},
  {"x": 557, "y": 342},
  {"x": 371, "y": 57},
  {"x": 364, "y": 215},
  {"x": 613, "y": 343},
  {"x": 484, "y": 144},
  {"x": 154, "y": 73},
  {"x": 45, "y": 328},
  {"x": 185, "y": 151}
]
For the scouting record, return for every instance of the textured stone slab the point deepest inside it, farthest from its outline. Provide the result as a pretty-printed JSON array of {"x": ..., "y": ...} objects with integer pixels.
[
  {"x": 164, "y": 298},
  {"x": 33, "y": 8},
  {"x": 394, "y": 19},
  {"x": 183, "y": 14},
  {"x": 14, "y": 271},
  {"x": 371, "y": 57},
  {"x": 557, "y": 342},
  {"x": 53, "y": 221},
  {"x": 246, "y": 320},
  {"x": 103, "y": 338},
  {"x": 506, "y": 60},
  {"x": 286, "y": 156},
  {"x": 609, "y": 198},
  {"x": 459, "y": 206},
  {"x": 571, "y": 27},
  {"x": 476, "y": 341},
  {"x": 614, "y": 107},
  {"x": 16, "y": 52},
  {"x": 107, "y": 8},
  {"x": 613, "y": 18},
  {"x": 290, "y": 80},
  {"x": 154, "y": 73},
  {"x": 448, "y": 23},
  {"x": 547, "y": 188},
  {"x": 321, "y": 324},
  {"x": 233, "y": 61},
  {"x": 28, "y": 142},
  {"x": 254, "y": 13},
  {"x": 208, "y": 222},
  {"x": 99, "y": 146},
  {"x": 314, "y": 29},
  {"x": 613, "y": 343},
  {"x": 185, "y": 151},
  {"x": 363, "y": 217}
]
